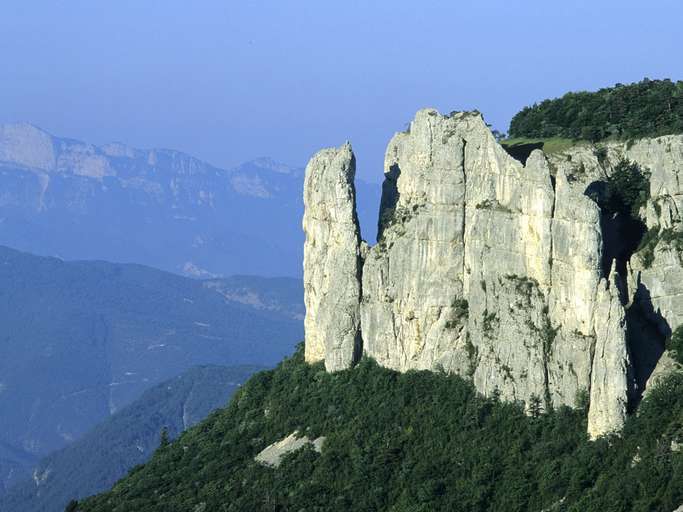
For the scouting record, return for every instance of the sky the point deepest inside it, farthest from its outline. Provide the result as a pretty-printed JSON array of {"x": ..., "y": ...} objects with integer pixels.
[{"x": 228, "y": 80}]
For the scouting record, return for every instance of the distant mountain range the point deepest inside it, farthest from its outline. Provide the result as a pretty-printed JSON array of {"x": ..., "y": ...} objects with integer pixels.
[
  {"x": 82, "y": 339},
  {"x": 129, "y": 437},
  {"x": 158, "y": 207},
  {"x": 15, "y": 465}
]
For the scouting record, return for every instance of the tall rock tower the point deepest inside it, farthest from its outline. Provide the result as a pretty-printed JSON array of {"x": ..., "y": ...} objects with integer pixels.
[{"x": 332, "y": 260}]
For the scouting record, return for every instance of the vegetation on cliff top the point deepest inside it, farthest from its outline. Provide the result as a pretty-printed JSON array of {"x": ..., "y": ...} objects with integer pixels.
[
  {"x": 625, "y": 191},
  {"x": 418, "y": 441},
  {"x": 521, "y": 147},
  {"x": 649, "y": 108}
]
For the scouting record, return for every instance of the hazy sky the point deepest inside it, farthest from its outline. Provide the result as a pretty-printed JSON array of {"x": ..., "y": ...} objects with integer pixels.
[{"x": 228, "y": 81}]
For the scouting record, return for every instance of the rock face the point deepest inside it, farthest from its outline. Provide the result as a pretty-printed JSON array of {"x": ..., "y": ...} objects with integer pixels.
[
  {"x": 661, "y": 157},
  {"x": 272, "y": 454},
  {"x": 484, "y": 266},
  {"x": 332, "y": 260},
  {"x": 654, "y": 275},
  {"x": 662, "y": 279},
  {"x": 611, "y": 365}
]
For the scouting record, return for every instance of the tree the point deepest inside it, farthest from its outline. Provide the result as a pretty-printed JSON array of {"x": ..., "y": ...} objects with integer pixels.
[
  {"x": 628, "y": 189},
  {"x": 649, "y": 108},
  {"x": 72, "y": 506},
  {"x": 583, "y": 400},
  {"x": 675, "y": 344},
  {"x": 535, "y": 407},
  {"x": 498, "y": 135},
  {"x": 164, "y": 438}
]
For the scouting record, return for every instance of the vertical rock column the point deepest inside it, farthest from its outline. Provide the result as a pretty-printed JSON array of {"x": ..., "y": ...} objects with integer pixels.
[
  {"x": 610, "y": 375},
  {"x": 576, "y": 272},
  {"x": 413, "y": 307},
  {"x": 332, "y": 260}
]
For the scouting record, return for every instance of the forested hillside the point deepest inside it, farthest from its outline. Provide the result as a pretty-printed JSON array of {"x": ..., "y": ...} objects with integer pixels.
[
  {"x": 649, "y": 108},
  {"x": 417, "y": 441},
  {"x": 80, "y": 340},
  {"x": 106, "y": 453}
]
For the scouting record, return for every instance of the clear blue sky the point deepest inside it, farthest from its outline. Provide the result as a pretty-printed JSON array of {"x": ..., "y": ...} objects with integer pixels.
[{"x": 232, "y": 80}]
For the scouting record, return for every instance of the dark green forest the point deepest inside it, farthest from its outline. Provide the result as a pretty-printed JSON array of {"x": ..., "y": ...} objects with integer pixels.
[
  {"x": 418, "y": 441},
  {"x": 649, "y": 108}
]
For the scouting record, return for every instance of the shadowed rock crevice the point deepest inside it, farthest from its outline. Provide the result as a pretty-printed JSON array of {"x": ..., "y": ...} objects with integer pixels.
[
  {"x": 622, "y": 235},
  {"x": 621, "y": 231},
  {"x": 521, "y": 152},
  {"x": 646, "y": 334},
  {"x": 390, "y": 198},
  {"x": 357, "y": 352},
  {"x": 646, "y": 329}
]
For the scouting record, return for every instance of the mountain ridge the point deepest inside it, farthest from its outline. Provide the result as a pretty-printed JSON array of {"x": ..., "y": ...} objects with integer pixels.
[
  {"x": 129, "y": 437},
  {"x": 82, "y": 339},
  {"x": 159, "y": 207},
  {"x": 513, "y": 341}
]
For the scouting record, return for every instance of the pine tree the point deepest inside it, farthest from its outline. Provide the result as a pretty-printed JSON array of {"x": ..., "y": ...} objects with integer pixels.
[{"x": 535, "y": 406}]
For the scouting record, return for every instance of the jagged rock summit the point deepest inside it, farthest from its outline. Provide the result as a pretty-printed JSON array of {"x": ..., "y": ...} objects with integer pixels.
[{"x": 484, "y": 266}]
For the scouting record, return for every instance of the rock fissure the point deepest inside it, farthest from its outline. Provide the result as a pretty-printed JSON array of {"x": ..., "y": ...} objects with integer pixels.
[
  {"x": 463, "y": 143},
  {"x": 546, "y": 353}
]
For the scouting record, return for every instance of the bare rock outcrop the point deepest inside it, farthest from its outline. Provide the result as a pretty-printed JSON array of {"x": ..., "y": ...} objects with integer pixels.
[
  {"x": 654, "y": 278},
  {"x": 485, "y": 267},
  {"x": 272, "y": 454},
  {"x": 413, "y": 307},
  {"x": 657, "y": 266},
  {"x": 332, "y": 260},
  {"x": 610, "y": 373},
  {"x": 28, "y": 146}
]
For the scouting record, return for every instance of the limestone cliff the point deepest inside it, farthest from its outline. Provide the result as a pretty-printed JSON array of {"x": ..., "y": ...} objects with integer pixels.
[
  {"x": 487, "y": 267},
  {"x": 332, "y": 260},
  {"x": 653, "y": 264},
  {"x": 610, "y": 373}
]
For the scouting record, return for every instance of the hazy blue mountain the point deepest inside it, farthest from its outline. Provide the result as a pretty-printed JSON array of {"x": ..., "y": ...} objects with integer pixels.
[
  {"x": 129, "y": 437},
  {"x": 158, "y": 207},
  {"x": 15, "y": 465},
  {"x": 280, "y": 295},
  {"x": 82, "y": 339}
]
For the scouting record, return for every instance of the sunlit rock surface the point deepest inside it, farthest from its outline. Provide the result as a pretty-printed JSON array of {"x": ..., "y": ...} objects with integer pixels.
[{"x": 494, "y": 269}]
